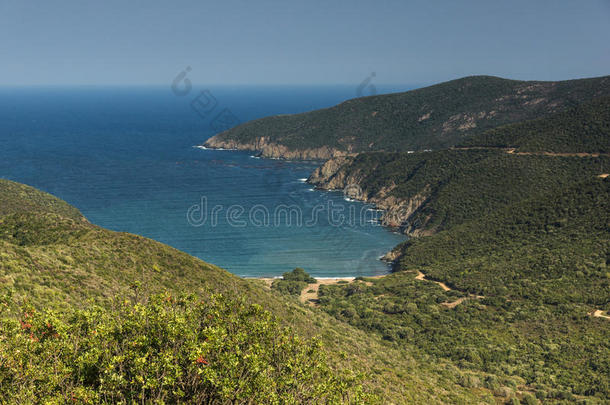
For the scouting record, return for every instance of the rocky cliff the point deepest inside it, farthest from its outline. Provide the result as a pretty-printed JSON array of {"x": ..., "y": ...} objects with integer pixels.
[
  {"x": 267, "y": 149},
  {"x": 401, "y": 213}
]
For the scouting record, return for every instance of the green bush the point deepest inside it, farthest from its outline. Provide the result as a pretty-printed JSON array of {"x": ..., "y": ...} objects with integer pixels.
[
  {"x": 529, "y": 399},
  {"x": 164, "y": 350},
  {"x": 293, "y": 282},
  {"x": 298, "y": 274},
  {"x": 288, "y": 287}
]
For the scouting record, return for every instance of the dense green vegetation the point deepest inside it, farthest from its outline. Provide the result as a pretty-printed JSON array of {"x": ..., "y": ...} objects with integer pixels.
[
  {"x": 18, "y": 198},
  {"x": 64, "y": 269},
  {"x": 520, "y": 243},
  {"x": 433, "y": 117},
  {"x": 457, "y": 185},
  {"x": 495, "y": 305},
  {"x": 539, "y": 267},
  {"x": 293, "y": 282},
  {"x": 164, "y": 350},
  {"x": 585, "y": 128}
]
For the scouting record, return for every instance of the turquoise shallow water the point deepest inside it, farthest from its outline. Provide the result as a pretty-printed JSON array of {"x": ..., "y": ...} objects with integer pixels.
[{"x": 125, "y": 158}]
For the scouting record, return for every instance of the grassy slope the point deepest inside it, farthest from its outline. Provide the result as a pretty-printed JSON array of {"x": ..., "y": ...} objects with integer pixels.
[
  {"x": 585, "y": 128},
  {"x": 432, "y": 117},
  {"x": 542, "y": 264},
  {"x": 50, "y": 257},
  {"x": 19, "y": 198}
]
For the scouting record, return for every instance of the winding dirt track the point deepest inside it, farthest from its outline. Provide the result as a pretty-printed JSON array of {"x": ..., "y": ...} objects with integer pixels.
[
  {"x": 598, "y": 313},
  {"x": 512, "y": 151},
  {"x": 422, "y": 277}
]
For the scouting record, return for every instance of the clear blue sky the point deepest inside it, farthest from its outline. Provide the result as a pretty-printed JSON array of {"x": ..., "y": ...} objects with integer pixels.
[{"x": 131, "y": 42}]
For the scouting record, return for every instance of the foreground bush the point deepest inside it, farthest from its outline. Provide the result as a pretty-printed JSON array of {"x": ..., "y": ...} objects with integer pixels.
[{"x": 164, "y": 350}]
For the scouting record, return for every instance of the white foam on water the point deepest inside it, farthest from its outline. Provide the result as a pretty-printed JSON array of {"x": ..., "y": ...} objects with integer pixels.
[{"x": 204, "y": 148}]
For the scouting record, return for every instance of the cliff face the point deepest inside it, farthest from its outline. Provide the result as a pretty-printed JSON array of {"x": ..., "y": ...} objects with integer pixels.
[
  {"x": 273, "y": 150},
  {"x": 399, "y": 212}
]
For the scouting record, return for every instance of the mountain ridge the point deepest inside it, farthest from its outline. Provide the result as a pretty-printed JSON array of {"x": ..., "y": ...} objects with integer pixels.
[{"x": 433, "y": 117}]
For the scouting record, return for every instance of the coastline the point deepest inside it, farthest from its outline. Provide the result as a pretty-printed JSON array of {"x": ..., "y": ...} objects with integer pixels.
[
  {"x": 265, "y": 148},
  {"x": 391, "y": 219}
]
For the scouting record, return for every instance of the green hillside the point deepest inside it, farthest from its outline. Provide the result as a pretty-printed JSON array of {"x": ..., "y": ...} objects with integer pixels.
[
  {"x": 74, "y": 294},
  {"x": 508, "y": 273},
  {"x": 433, "y": 117},
  {"x": 431, "y": 191},
  {"x": 16, "y": 198},
  {"x": 585, "y": 128},
  {"x": 501, "y": 295},
  {"x": 520, "y": 285}
]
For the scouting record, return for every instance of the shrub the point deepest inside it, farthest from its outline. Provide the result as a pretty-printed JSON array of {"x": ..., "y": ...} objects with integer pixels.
[
  {"x": 298, "y": 274},
  {"x": 164, "y": 350},
  {"x": 293, "y": 282},
  {"x": 288, "y": 287},
  {"x": 529, "y": 399}
]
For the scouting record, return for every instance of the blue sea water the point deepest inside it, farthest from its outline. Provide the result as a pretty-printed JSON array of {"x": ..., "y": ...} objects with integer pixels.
[{"x": 125, "y": 158}]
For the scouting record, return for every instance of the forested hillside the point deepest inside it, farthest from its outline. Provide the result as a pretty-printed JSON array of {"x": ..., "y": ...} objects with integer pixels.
[
  {"x": 508, "y": 273},
  {"x": 501, "y": 295},
  {"x": 511, "y": 292},
  {"x": 432, "y": 117},
  {"x": 90, "y": 315},
  {"x": 582, "y": 129},
  {"x": 427, "y": 192}
]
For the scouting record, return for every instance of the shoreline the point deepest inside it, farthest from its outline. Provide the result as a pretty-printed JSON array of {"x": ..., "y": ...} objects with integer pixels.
[
  {"x": 320, "y": 280},
  {"x": 388, "y": 257}
]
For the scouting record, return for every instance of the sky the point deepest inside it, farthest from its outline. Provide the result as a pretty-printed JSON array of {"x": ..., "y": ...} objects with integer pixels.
[{"x": 111, "y": 42}]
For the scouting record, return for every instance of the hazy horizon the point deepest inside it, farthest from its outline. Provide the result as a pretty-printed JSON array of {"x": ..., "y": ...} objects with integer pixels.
[{"x": 291, "y": 43}]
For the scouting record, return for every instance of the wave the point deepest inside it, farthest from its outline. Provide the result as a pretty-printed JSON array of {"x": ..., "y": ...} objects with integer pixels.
[{"x": 204, "y": 148}]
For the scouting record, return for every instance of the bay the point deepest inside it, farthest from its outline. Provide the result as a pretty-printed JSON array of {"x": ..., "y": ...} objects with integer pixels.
[{"x": 125, "y": 157}]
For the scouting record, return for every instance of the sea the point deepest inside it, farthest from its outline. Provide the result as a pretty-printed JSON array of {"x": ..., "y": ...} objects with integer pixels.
[{"x": 128, "y": 159}]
